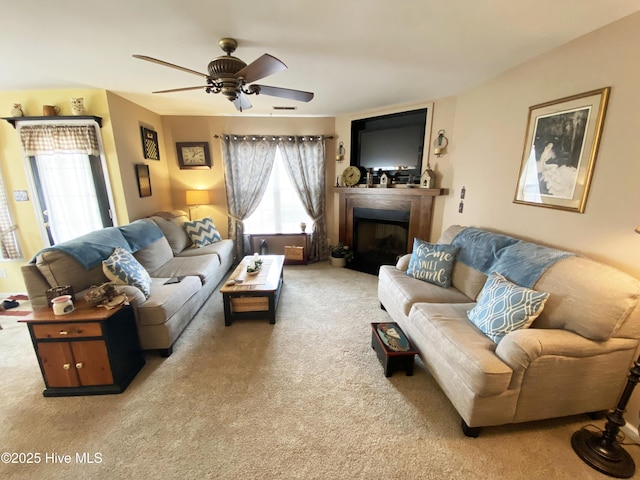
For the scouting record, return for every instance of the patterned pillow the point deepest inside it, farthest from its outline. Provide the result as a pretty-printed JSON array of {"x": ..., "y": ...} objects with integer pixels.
[
  {"x": 432, "y": 262},
  {"x": 504, "y": 307},
  {"x": 202, "y": 232},
  {"x": 123, "y": 268}
]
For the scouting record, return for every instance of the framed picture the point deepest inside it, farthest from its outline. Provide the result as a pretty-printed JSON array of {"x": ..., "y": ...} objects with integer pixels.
[
  {"x": 144, "y": 180},
  {"x": 560, "y": 149},
  {"x": 193, "y": 155},
  {"x": 150, "y": 148}
]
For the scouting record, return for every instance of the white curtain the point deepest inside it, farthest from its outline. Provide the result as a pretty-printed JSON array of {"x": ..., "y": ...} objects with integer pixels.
[
  {"x": 304, "y": 160},
  {"x": 248, "y": 160},
  {"x": 9, "y": 247}
]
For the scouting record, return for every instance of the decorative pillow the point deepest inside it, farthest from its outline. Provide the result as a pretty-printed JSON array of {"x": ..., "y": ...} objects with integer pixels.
[
  {"x": 432, "y": 262},
  {"x": 504, "y": 307},
  {"x": 122, "y": 268},
  {"x": 202, "y": 232}
]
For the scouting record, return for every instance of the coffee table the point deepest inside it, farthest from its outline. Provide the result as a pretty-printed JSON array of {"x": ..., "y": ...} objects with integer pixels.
[{"x": 253, "y": 297}]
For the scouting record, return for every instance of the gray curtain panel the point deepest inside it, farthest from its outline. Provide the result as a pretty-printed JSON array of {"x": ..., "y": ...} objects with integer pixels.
[
  {"x": 248, "y": 161},
  {"x": 304, "y": 159}
]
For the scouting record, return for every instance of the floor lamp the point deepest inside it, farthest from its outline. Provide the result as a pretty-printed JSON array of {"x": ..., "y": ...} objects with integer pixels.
[
  {"x": 601, "y": 450},
  {"x": 195, "y": 198}
]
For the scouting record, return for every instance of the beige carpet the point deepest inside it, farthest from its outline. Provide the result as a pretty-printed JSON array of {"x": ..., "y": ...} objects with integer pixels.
[{"x": 305, "y": 399}]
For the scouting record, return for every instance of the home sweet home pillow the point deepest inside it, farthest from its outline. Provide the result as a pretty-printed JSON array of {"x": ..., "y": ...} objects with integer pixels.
[{"x": 432, "y": 262}]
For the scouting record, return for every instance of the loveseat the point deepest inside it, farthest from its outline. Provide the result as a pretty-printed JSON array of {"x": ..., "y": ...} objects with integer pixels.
[
  {"x": 573, "y": 358},
  {"x": 164, "y": 248}
]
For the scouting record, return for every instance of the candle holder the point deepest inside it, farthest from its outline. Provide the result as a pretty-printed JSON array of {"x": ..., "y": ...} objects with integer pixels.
[{"x": 601, "y": 450}]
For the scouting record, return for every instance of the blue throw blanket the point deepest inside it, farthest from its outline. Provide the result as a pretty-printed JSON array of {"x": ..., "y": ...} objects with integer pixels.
[
  {"x": 521, "y": 262},
  {"x": 92, "y": 248}
]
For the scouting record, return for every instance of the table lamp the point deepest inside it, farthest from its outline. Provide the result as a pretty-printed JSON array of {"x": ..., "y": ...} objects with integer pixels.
[{"x": 195, "y": 198}]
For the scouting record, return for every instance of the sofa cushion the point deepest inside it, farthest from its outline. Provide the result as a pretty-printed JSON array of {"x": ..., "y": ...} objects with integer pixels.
[
  {"x": 202, "y": 232},
  {"x": 589, "y": 298},
  {"x": 59, "y": 268},
  {"x": 153, "y": 256},
  {"x": 504, "y": 307},
  {"x": 203, "y": 266},
  {"x": 123, "y": 268},
  {"x": 223, "y": 249},
  {"x": 166, "y": 300},
  {"x": 470, "y": 353},
  {"x": 432, "y": 262},
  {"x": 173, "y": 229},
  {"x": 404, "y": 290}
]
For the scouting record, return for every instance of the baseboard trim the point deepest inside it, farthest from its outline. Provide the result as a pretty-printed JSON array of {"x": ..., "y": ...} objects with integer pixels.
[{"x": 631, "y": 433}]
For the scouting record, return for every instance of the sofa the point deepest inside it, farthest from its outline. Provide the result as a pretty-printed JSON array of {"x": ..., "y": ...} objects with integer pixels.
[
  {"x": 573, "y": 358},
  {"x": 164, "y": 248}
]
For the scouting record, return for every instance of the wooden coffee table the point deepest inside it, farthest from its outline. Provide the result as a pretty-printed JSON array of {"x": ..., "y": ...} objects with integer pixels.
[{"x": 253, "y": 297}]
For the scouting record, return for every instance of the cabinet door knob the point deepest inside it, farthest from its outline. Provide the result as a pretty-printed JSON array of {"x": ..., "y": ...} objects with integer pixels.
[
  {"x": 66, "y": 366},
  {"x": 79, "y": 365},
  {"x": 64, "y": 332}
]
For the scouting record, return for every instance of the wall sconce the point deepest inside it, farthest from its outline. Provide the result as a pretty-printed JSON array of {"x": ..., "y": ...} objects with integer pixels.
[
  {"x": 195, "y": 198},
  {"x": 340, "y": 153},
  {"x": 440, "y": 144}
]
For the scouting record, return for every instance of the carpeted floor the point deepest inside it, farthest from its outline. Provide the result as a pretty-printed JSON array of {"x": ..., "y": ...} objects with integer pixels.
[{"x": 303, "y": 399}]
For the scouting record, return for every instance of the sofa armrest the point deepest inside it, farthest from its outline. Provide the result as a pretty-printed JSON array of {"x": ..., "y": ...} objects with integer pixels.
[
  {"x": 403, "y": 262},
  {"x": 520, "y": 348}
]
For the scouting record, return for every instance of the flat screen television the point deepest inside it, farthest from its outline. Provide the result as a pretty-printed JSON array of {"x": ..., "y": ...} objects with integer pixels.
[{"x": 390, "y": 143}]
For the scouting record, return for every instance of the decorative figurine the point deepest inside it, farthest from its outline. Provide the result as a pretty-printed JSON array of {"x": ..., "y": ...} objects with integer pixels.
[{"x": 16, "y": 111}]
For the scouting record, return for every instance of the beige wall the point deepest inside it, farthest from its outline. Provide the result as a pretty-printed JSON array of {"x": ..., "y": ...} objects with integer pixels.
[
  {"x": 196, "y": 129},
  {"x": 12, "y": 164},
  {"x": 490, "y": 124},
  {"x": 126, "y": 119}
]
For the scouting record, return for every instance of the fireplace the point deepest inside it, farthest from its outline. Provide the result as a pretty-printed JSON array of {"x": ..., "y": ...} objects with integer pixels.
[
  {"x": 381, "y": 223},
  {"x": 379, "y": 237}
]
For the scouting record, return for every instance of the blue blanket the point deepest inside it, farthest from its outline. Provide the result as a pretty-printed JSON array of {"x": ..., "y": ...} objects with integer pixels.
[
  {"x": 521, "y": 262},
  {"x": 92, "y": 248}
]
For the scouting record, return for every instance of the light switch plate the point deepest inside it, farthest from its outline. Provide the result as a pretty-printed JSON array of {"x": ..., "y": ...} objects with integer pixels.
[{"x": 20, "y": 195}]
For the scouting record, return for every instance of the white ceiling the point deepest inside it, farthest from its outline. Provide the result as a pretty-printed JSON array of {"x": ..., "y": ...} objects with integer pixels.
[{"x": 355, "y": 55}]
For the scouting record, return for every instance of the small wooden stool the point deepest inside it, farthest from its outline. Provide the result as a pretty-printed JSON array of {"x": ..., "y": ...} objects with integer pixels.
[{"x": 394, "y": 353}]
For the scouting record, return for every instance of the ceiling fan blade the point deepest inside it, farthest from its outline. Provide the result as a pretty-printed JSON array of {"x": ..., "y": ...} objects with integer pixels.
[
  {"x": 180, "y": 89},
  {"x": 167, "y": 64},
  {"x": 298, "y": 95},
  {"x": 242, "y": 102},
  {"x": 261, "y": 67}
]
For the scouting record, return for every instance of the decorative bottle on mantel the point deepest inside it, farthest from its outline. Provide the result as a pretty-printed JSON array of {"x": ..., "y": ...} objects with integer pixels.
[{"x": 264, "y": 248}]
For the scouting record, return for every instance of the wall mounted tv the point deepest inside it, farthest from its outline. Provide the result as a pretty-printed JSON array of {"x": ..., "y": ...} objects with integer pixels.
[{"x": 390, "y": 143}]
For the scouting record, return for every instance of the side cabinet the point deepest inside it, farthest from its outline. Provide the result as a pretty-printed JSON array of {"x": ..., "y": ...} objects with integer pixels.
[{"x": 90, "y": 351}]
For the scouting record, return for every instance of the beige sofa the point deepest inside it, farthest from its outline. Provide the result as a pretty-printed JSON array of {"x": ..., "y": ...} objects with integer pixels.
[
  {"x": 573, "y": 359},
  {"x": 167, "y": 252}
]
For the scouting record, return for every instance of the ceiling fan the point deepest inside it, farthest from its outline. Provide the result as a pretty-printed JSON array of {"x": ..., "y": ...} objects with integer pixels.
[{"x": 231, "y": 77}]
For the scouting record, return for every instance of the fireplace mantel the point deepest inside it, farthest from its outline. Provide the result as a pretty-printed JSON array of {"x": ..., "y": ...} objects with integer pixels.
[{"x": 418, "y": 201}]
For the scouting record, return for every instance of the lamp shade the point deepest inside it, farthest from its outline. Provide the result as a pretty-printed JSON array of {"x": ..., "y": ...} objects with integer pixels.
[
  {"x": 197, "y": 197},
  {"x": 637, "y": 229}
]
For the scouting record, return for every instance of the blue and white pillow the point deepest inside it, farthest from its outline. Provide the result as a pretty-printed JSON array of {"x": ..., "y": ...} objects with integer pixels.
[
  {"x": 504, "y": 307},
  {"x": 202, "y": 232},
  {"x": 123, "y": 268},
  {"x": 432, "y": 262}
]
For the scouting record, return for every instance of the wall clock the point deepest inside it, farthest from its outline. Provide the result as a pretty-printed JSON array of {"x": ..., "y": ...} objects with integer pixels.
[
  {"x": 193, "y": 155},
  {"x": 351, "y": 176}
]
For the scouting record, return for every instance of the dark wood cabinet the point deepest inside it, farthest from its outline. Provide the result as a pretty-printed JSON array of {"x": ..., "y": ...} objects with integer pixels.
[{"x": 90, "y": 351}]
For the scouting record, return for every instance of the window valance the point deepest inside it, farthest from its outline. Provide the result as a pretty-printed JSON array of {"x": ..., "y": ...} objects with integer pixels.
[{"x": 49, "y": 139}]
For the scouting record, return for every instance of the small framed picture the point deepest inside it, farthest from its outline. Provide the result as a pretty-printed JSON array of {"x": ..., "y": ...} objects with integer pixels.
[
  {"x": 192, "y": 155},
  {"x": 144, "y": 180},
  {"x": 560, "y": 149},
  {"x": 150, "y": 147}
]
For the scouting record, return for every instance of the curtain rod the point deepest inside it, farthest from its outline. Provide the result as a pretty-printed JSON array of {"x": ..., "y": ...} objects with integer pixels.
[{"x": 330, "y": 137}]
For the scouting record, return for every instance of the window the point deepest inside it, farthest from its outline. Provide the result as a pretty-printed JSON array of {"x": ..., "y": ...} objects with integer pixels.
[
  {"x": 280, "y": 210},
  {"x": 68, "y": 174}
]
